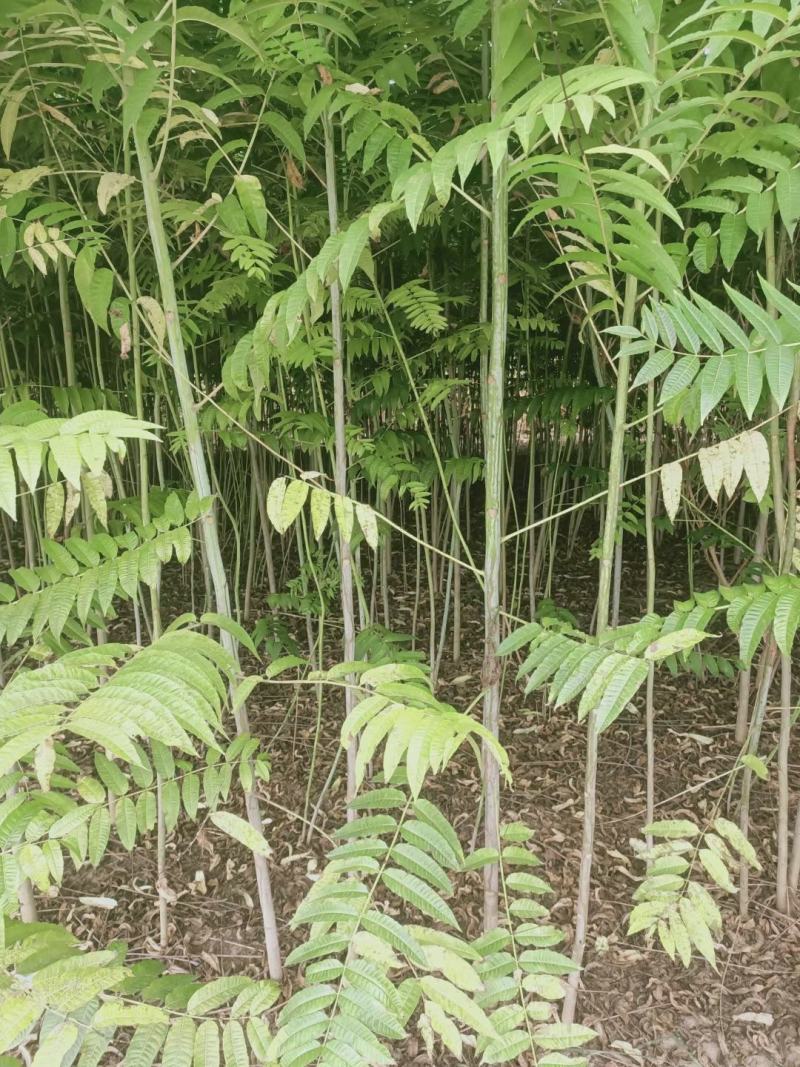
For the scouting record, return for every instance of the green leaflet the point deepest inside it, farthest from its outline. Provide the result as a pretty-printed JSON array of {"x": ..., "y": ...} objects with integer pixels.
[
  {"x": 755, "y": 622},
  {"x": 716, "y": 869},
  {"x": 523, "y": 636},
  {"x": 355, "y": 240},
  {"x": 607, "y": 669},
  {"x": 734, "y": 836},
  {"x": 17, "y": 1014},
  {"x": 749, "y": 374},
  {"x": 562, "y": 1035},
  {"x": 416, "y": 192},
  {"x": 251, "y": 198},
  {"x": 241, "y": 831},
  {"x": 179, "y": 1043},
  {"x": 621, "y": 689},
  {"x": 680, "y": 938},
  {"x": 275, "y": 496},
  {"x": 679, "y": 378},
  {"x": 732, "y": 232},
  {"x": 214, "y": 994},
  {"x": 672, "y": 828},
  {"x": 231, "y": 626},
  {"x": 320, "y": 510},
  {"x": 457, "y": 1004},
  {"x": 118, "y": 1013},
  {"x": 368, "y": 521},
  {"x": 697, "y": 929},
  {"x": 786, "y": 619},
  {"x": 418, "y": 893},
  {"x": 546, "y": 961},
  {"x": 344, "y": 511},
  {"x": 126, "y": 822},
  {"x": 206, "y": 1045},
  {"x": 715, "y": 379},
  {"x": 779, "y": 364},
  {"x": 787, "y": 193},
  {"x": 660, "y": 361},
  {"x": 417, "y": 862}
]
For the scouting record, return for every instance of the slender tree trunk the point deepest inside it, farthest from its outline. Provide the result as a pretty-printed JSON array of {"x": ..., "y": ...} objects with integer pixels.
[
  {"x": 202, "y": 486},
  {"x": 782, "y": 874},
  {"x": 603, "y": 604},
  {"x": 766, "y": 673},
  {"x": 784, "y": 742},
  {"x": 63, "y": 303},
  {"x": 263, "y": 520},
  {"x": 603, "y": 600},
  {"x": 340, "y": 447},
  {"x": 649, "y": 495},
  {"x": 794, "y": 866},
  {"x": 494, "y": 448}
]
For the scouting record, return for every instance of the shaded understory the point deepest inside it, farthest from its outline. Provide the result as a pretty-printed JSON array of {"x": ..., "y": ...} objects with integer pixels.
[{"x": 746, "y": 1015}]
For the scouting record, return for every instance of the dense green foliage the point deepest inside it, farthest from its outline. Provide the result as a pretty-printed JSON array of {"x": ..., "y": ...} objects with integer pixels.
[{"x": 298, "y": 296}]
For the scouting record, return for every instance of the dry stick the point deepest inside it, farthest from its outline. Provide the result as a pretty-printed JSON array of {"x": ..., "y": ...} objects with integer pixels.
[
  {"x": 743, "y": 705},
  {"x": 449, "y": 587},
  {"x": 251, "y": 555},
  {"x": 745, "y": 674},
  {"x": 202, "y": 486}
]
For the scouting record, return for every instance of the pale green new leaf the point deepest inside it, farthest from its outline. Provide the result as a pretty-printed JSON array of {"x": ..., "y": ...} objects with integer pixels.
[
  {"x": 716, "y": 869},
  {"x": 320, "y": 510},
  {"x": 179, "y": 1045},
  {"x": 275, "y": 495},
  {"x": 734, "y": 836},
  {"x": 697, "y": 929},
  {"x": 206, "y": 1045},
  {"x": 457, "y": 1004},
  {"x": 241, "y": 830},
  {"x": 562, "y": 1035}
]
